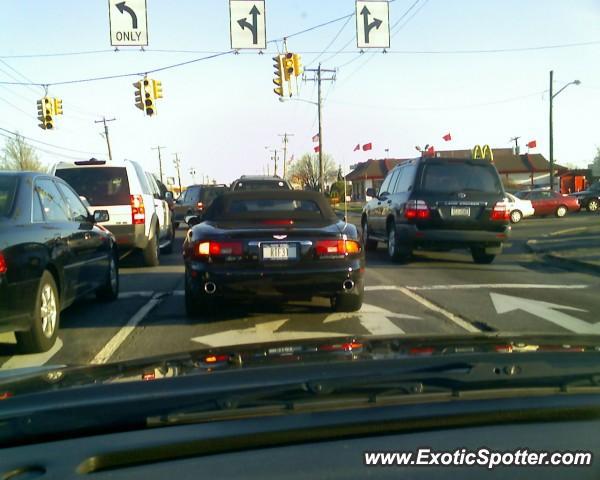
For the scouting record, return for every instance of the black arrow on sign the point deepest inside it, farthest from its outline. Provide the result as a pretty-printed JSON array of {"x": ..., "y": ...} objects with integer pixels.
[
  {"x": 122, "y": 7},
  {"x": 252, "y": 26},
  {"x": 376, "y": 23}
]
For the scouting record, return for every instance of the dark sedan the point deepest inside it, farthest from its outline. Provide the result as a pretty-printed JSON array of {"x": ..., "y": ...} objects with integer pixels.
[
  {"x": 284, "y": 244},
  {"x": 51, "y": 253}
]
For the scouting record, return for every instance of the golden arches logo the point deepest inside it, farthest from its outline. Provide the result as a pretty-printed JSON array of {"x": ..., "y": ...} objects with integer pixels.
[{"x": 482, "y": 153}]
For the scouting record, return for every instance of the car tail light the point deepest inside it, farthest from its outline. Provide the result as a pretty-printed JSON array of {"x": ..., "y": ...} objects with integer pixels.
[
  {"x": 417, "y": 209},
  {"x": 341, "y": 347},
  {"x": 199, "y": 205},
  {"x": 500, "y": 211},
  {"x": 138, "y": 213},
  {"x": 421, "y": 351},
  {"x": 3, "y": 266},
  {"x": 278, "y": 222},
  {"x": 337, "y": 247},
  {"x": 216, "y": 358},
  {"x": 211, "y": 248}
]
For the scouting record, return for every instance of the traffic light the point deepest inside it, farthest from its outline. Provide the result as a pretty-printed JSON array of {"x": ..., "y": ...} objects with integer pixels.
[
  {"x": 149, "y": 107},
  {"x": 296, "y": 58},
  {"x": 288, "y": 65},
  {"x": 278, "y": 80},
  {"x": 58, "y": 110},
  {"x": 139, "y": 101},
  {"x": 157, "y": 89},
  {"x": 45, "y": 108}
]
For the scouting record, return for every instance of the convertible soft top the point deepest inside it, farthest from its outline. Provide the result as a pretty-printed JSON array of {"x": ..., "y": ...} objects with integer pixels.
[{"x": 292, "y": 204}]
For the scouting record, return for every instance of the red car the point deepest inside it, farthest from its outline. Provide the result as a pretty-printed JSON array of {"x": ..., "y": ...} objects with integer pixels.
[{"x": 546, "y": 202}]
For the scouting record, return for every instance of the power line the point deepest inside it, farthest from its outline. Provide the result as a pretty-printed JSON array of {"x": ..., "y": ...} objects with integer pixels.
[
  {"x": 49, "y": 144},
  {"x": 332, "y": 41},
  {"x": 47, "y": 151}
]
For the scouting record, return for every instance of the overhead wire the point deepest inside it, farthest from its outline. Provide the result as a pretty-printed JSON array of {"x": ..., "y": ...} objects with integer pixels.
[{"x": 49, "y": 144}]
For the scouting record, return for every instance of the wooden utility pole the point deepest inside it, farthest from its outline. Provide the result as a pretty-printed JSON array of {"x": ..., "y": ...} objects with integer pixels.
[
  {"x": 159, "y": 161},
  {"x": 104, "y": 120}
]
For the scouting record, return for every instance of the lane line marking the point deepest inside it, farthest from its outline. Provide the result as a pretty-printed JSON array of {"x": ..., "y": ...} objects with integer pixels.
[
  {"x": 32, "y": 360},
  {"x": 141, "y": 293},
  {"x": 117, "y": 340},
  {"x": 496, "y": 286}
]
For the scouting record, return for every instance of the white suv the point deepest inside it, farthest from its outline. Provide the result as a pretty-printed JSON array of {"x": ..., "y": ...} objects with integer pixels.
[{"x": 140, "y": 217}]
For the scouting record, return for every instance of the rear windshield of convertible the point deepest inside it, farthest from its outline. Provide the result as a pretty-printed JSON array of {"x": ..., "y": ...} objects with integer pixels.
[{"x": 253, "y": 205}]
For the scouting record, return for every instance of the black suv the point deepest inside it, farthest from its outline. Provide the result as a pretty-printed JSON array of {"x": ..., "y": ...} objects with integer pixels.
[
  {"x": 260, "y": 182},
  {"x": 195, "y": 200},
  {"x": 589, "y": 198},
  {"x": 440, "y": 204}
]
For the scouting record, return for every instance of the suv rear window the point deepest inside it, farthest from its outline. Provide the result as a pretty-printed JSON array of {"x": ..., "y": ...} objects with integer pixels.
[
  {"x": 261, "y": 185},
  {"x": 8, "y": 186},
  {"x": 207, "y": 195},
  {"x": 454, "y": 177},
  {"x": 100, "y": 186}
]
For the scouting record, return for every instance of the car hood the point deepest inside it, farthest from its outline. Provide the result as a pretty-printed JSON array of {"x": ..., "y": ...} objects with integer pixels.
[{"x": 282, "y": 353}]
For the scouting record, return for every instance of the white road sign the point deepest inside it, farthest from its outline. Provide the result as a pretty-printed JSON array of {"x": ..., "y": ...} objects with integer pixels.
[
  {"x": 247, "y": 24},
  {"x": 128, "y": 23},
  {"x": 372, "y": 24}
]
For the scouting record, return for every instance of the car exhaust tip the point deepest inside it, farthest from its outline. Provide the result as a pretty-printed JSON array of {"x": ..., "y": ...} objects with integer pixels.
[
  {"x": 210, "y": 288},
  {"x": 348, "y": 285}
]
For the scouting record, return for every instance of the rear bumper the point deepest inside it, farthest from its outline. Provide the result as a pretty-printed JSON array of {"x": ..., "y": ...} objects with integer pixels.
[
  {"x": 415, "y": 237},
  {"x": 288, "y": 283},
  {"x": 16, "y": 306},
  {"x": 129, "y": 236}
]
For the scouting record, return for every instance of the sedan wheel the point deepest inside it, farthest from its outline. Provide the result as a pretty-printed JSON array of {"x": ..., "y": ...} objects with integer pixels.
[
  {"x": 561, "y": 211},
  {"x": 110, "y": 290},
  {"x": 516, "y": 216},
  {"x": 592, "y": 205},
  {"x": 46, "y": 318}
]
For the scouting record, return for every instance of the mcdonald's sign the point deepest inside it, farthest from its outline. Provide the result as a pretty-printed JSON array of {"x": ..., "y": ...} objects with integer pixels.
[{"x": 482, "y": 153}]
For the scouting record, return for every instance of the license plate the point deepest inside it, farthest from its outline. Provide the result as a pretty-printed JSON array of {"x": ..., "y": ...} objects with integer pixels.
[
  {"x": 279, "y": 251},
  {"x": 460, "y": 211}
]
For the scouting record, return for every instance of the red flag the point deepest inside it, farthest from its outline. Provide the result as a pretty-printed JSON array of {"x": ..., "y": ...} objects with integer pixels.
[
  {"x": 315, "y": 138},
  {"x": 316, "y": 148},
  {"x": 532, "y": 144},
  {"x": 367, "y": 146},
  {"x": 447, "y": 137},
  {"x": 357, "y": 147},
  {"x": 430, "y": 152}
]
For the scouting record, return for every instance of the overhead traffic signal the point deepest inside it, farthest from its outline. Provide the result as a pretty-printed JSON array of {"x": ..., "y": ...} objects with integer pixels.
[
  {"x": 296, "y": 58},
  {"x": 149, "y": 107},
  {"x": 139, "y": 95},
  {"x": 278, "y": 80},
  {"x": 57, "y": 108},
  {"x": 45, "y": 108},
  {"x": 147, "y": 91},
  {"x": 157, "y": 89},
  {"x": 288, "y": 65}
]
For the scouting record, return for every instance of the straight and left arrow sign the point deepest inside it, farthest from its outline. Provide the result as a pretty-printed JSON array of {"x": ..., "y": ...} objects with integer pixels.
[
  {"x": 247, "y": 24},
  {"x": 128, "y": 23}
]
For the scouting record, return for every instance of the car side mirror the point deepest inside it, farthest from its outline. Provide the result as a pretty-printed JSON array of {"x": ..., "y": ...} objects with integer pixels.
[
  {"x": 371, "y": 192},
  {"x": 192, "y": 220},
  {"x": 169, "y": 196},
  {"x": 101, "y": 216}
]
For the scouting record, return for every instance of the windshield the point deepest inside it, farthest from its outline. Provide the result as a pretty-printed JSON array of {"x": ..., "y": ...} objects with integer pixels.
[
  {"x": 8, "y": 187},
  {"x": 100, "y": 186},
  {"x": 340, "y": 170}
]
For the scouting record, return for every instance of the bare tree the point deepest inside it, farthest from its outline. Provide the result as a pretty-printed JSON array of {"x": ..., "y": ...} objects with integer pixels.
[
  {"x": 305, "y": 171},
  {"x": 19, "y": 155}
]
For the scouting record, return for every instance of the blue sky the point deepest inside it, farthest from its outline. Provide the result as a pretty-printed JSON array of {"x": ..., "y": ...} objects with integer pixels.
[{"x": 220, "y": 114}]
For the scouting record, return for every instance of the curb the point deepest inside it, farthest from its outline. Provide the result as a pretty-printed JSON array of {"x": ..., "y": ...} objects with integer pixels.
[{"x": 557, "y": 260}]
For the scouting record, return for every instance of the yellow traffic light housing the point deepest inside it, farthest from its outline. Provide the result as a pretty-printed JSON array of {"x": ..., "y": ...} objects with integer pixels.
[
  {"x": 157, "y": 89},
  {"x": 288, "y": 65},
  {"x": 278, "y": 80},
  {"x": 41, "y": 114},
  {"x": 45, "y": 109},
  {"x": 297, "y": 62},
  {"x": 58, "y": 110},
  {"x": 139, "y": 96},
  {"x": 149, "y": 107}
]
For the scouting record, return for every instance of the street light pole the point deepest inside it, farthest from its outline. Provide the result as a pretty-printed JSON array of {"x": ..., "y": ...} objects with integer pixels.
[{"x": 551, "y": 135}]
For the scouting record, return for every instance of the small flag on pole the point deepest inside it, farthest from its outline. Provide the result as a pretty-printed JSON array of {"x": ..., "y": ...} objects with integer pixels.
[
  {"x": 367, "y": 146},
  {"x": 357, "y": 147},
  {"x": 532, "y": 144},
  {"x": 316, "y": 148},
  {"x": 447, "y": 137},
  {"x": 315, "y": 138}
]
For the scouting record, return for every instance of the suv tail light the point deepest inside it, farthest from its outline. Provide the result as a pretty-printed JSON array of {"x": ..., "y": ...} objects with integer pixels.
[
  {"x": 138, "y": 213},
  {"x": 501, "y": 211},
  {"x": 3, "y": 266},
  {"x": 417, "y": 209},
  {"x": 211, "y": 248},
  {"x": 199, "y": 206},
  {"x": 336, "y": 248}
]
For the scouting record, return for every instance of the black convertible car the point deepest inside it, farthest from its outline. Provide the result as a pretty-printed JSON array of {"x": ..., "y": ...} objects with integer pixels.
[
  {"x": 51, "y": 253},
  {"x": 283, "y": 244}
]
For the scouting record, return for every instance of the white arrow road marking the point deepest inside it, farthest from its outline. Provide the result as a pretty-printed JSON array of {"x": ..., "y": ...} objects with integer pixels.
[
  {"x": 375, "y": 319},
  {"x": 546, "y": 311},
  {"x": 261, "y": 332},
  {"x": 32, "y": 360}
]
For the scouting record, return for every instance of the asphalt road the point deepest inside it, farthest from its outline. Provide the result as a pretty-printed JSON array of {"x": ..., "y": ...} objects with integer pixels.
[{"x": 436, "y": 293}]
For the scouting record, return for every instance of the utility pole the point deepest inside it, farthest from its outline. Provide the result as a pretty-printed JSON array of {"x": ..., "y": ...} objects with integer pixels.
[
  {"x": 318, "y": 78},
  {"x": 274, "y": 158},
  {"x": 516, "y": 140},
  {"x": 104, "y": 120},
  {"x": 159, "y": 161},
  {"x": 285, "y": 136},
  {"x": 177, "y": 164}
]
